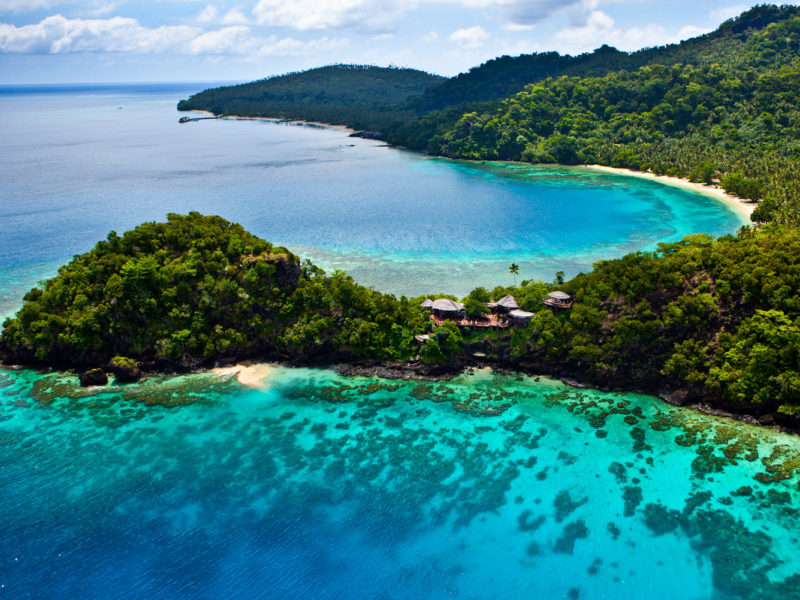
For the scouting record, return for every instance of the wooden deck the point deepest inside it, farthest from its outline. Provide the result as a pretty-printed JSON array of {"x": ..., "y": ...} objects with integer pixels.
[
  {"x": 556, "y": 303},
  {"x": 488, "y": 322}
]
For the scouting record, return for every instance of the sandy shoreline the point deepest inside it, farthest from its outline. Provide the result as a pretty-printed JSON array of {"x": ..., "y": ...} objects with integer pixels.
[
  {"x": 742, "y": 207},
  {"x": 276, "y": 120},
  {"x": 247, "y": 375}
]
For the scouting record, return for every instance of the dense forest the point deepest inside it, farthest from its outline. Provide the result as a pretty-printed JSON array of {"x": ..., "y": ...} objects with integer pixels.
[
  {"x": 197, "y": 289},
  {"x": 722, "y": 107},
  {"x": 507, "y": 75},
  {"x": 706, "y": 320},
  {"x": 363, "y": 97},
  {"x": 735, "y": 120}
]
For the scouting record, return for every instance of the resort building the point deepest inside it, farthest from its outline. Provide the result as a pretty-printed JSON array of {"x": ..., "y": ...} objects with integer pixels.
[
  {"x": 520, "y": 317},
  {"x": 558, "y": 299},
  {"x": 444, "y": 307},
  {"x": 500, "y": 315}
]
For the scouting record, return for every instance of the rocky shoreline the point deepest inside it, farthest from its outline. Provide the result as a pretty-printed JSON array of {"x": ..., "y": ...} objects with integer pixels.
[
  {"x": 422, "y": 372},
  {"x": 416, "y": 370}
]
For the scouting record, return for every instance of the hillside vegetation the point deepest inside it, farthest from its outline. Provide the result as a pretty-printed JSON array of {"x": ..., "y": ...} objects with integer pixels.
[
  {"x": 710, "y": 122},
  {"x": 364, "y": 97},
  {"x": 507, "y": 75},
  {"x": 196, "y": 290}
]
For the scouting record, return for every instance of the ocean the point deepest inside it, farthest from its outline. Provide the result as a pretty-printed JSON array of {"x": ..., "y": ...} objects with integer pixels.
[{"x": 313, "y": 485}]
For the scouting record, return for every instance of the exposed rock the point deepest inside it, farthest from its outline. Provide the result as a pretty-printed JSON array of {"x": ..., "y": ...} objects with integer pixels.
[
  {"x": 676, "y": 397},
  {"x": 124, "y": 369},
  {"x": 93, "y": 377}
]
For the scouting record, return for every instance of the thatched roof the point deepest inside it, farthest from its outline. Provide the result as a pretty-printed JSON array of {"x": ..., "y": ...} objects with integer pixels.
[
  {"x": 447, "y": 305},
  {"x": 507, "y": 302},
  {"x": 522, "y": 315},
  {"x": 427, "y": 303},
  {"x": 557, "y": 295}
]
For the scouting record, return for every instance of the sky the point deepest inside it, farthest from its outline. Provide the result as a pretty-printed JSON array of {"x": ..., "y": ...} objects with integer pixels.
[{"x": 83, "y": 41}]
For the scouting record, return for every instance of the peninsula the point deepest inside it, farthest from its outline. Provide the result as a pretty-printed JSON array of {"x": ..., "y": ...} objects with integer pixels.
[{"x": 697, "y": 321}]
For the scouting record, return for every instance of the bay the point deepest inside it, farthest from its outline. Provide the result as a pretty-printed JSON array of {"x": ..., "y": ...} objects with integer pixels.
[{"x": 319, "y": 486}]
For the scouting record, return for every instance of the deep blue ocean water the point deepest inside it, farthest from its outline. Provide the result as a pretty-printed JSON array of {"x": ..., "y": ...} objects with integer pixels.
[{"x": 317, "y": 486}]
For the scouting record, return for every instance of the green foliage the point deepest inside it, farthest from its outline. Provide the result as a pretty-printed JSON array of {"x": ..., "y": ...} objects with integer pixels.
[
  {"x": 444, "y": 344},
  {"x": 721, "y": 106},
  {"x": 474, "y": 308},
  {"x": 363, "y": 97},
  {"x": 760, "y": 363},
  {"x": 198, "y": 288},
  {"x": 719, "y": 318}
]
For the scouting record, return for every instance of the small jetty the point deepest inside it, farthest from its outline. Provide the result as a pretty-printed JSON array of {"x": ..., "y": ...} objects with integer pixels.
[{"x": 190, "y": 119}]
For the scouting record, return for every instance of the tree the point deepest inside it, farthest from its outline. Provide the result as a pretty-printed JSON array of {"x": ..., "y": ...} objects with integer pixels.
[
  {"x": 514, "y": 270},
  {"x": 474, "y": 308}
]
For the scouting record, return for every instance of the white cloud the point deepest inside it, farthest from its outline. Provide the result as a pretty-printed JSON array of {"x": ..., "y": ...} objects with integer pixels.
[
  {"x": 375, "y": 16},
  {"x": 470, "y": 37},
  {"x": 59, "y": 35},
  {"x": 520, "y": 13},
  {"x": 229, "y": 40},
  {"x": 690, "y": 31},
  {"x": 600, "y": 29},
  {"x": 235, "y": 17},
  {"x": 211, "y": 14},
  {"x": 430, "y": 37}
]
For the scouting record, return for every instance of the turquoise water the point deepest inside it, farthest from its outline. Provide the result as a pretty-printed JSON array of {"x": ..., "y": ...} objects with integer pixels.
[
  {"x": 317, "y": 486},
  {"x": 79, "y": 163}
]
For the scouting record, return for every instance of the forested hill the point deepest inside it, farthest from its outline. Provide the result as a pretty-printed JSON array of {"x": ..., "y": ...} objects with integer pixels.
[
  {"x": 719, "y": 107},
  {"x": 709, "y": 122},
  {"x": 506, "y": 75},
  {"x": 364, "y": 97}
]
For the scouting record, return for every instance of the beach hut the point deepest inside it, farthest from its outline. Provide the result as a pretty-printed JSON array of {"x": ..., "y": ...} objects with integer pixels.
[
  {"x": 558, "y": 299},
  {"x": 505, "y": 304},
  {"x": 520, "y": 317},
  {"x": 427, "y": 304},
  {"x": 444, "y": 307}
]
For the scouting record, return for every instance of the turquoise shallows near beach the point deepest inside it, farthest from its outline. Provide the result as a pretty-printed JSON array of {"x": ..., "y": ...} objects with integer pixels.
[{"x": 311, "y": 485}]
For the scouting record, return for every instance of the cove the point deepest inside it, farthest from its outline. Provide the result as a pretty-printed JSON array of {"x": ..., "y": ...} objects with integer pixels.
[{"x": 319, "y": 486}]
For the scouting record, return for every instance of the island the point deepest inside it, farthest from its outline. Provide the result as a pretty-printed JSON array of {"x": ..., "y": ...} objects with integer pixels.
[{"x": 713, "y": 323}]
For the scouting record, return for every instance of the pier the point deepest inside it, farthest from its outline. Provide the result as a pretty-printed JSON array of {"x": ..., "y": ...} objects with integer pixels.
[{"x": 190, "y": 119}]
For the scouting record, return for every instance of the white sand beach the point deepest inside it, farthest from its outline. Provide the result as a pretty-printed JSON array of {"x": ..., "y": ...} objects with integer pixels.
[
  {"x": 247, "y": 375},
  {"x": 741, "y": 206}
]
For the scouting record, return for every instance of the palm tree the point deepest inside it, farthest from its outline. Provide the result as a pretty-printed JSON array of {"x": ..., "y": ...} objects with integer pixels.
[{"x": 514, "y": 270}]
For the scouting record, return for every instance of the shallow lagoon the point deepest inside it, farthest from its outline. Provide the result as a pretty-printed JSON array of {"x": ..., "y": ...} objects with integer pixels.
[{"x": 319, "y": 486}]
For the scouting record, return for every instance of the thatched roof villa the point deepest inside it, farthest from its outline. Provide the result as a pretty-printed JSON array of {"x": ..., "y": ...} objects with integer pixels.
[{"x": 558, "y": 299}]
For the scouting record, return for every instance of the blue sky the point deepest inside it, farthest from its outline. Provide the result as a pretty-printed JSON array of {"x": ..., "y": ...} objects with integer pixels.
[{"x": 63, "y": 41}]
